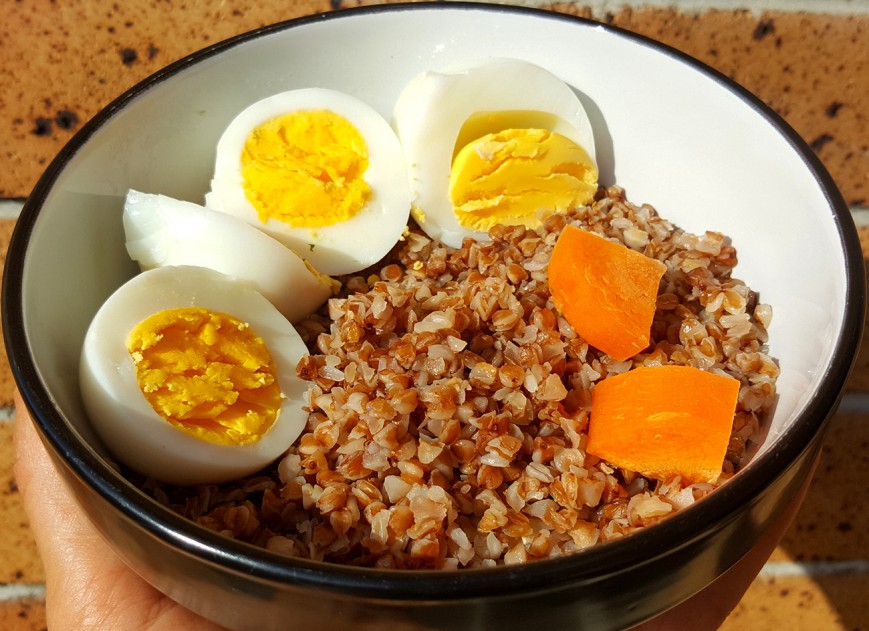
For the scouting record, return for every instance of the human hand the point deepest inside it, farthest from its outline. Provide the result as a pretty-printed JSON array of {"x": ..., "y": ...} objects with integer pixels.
[{"x": 88, "y": 587}]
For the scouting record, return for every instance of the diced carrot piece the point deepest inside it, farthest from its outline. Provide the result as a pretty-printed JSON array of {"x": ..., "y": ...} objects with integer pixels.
[
  {"x": 605, "y": 290},
  {"x": 663, "y": 421}
]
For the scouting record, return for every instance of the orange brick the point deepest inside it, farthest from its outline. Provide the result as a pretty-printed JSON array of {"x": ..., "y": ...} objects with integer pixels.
[
  {"x": 804, "y": 66},
  {"x": 23, "y": 615},
  {"x": 19, "y": 560},
  {"x": 802, "y": 603},
  {"x": 7, "y": 384}
]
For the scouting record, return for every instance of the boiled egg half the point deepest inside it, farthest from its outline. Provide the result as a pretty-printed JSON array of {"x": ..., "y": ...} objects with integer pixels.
[
  {"x": 163, "y": 231},
  {"x": 498, "y": 141},
  {"x": 319, "y": 170},
  {"x": 190, "y": 377}
]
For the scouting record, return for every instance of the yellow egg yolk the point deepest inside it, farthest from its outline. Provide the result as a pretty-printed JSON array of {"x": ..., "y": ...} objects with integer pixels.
[
  {"x": 517, "y": 177},
  {"x": 306, "y": 169},
  {"x": 207, "y": 374}
]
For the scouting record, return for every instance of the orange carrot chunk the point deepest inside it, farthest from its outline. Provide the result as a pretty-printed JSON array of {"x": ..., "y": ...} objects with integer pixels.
[
  {"x": 606, "y": 291},
  {"x": 664, "y": 421}
]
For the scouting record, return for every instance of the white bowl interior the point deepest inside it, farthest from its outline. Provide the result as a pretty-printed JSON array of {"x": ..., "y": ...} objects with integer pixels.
[{"x": 673, "y": 137}]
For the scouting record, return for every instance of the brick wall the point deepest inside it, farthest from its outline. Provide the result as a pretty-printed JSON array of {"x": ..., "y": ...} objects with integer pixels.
[{"x": 60, "y": 62}]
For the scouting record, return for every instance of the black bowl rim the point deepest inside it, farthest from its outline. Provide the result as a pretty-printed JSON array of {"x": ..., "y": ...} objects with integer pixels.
[{"x": 590, "y": 565}]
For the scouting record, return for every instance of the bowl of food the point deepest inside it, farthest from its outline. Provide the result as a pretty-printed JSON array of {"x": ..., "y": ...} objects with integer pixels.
[{"x": 434, "y": 316}]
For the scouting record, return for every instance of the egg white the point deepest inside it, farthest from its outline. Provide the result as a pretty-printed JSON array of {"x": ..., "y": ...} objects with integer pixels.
[
  {"x": 123, "y": 418},
  {"x": 344, "y": 247},
  {"x": 434, "y": 106},
  {"x": 164, "y": 231}
]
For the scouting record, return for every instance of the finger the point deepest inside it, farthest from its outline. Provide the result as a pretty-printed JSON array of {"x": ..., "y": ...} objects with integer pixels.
[
  {"x": 52, "y": 516},
  {"x": 87, "y": 585}
]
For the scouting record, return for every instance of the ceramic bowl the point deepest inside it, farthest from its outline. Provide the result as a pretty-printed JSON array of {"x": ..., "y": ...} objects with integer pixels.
[{"x": 671, "y": 131}]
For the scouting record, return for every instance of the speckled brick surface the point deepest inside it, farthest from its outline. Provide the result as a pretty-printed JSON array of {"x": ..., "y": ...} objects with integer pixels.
[
  {"x": 807, "y": 67},
  {"x": 7, "y": 384},
  {"x": 833, "y": 524},
  {"x": 828, "y": 603},
  {"x": 19, "y": 562},
  {"x": 61, "y": 62},
  {"x": 23, "y": 615}
]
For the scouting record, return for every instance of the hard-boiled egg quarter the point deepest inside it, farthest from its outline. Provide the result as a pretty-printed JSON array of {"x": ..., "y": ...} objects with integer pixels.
[
  {"x": 190, "y": 377},
  {"x": 498, "y": 141},
  {"x": 164, "y": 231},
  {"x": 320, "y": 171}
]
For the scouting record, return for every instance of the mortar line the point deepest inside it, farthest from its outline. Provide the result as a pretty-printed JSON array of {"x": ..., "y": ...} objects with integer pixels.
[
  {"x": 10, "y": 208},
  {"x": 811, "y": 569},
  {"x": 600, "y": 8},
  {"x": 854, "y": 403},
  {"x": 10, "y": 592}
]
